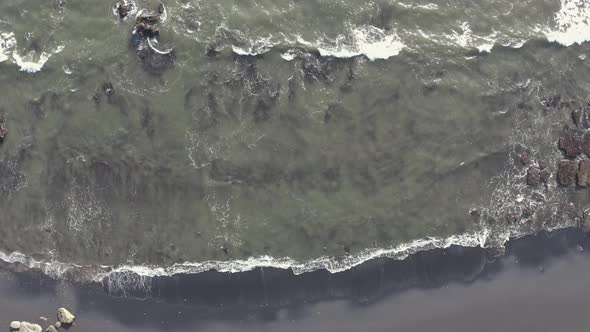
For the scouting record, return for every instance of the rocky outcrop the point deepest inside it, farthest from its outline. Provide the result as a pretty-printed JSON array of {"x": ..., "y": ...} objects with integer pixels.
[
  {"x": 570, "y": 141},
  {"x": 146, "y": 26},
  {"x": 51, "y": 328},
  {"x": 14, "y": 325},
  {"x": 65, "y": 317},
  {"x": 29, "y": 327},
  {"x": 154, "y": 58},
  {"x": 584, "y": 173},
  {"x": 566, "y": 172}
]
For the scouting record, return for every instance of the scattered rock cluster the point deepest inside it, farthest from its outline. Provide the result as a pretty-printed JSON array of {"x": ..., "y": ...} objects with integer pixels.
[
  {"x": 64, "y": 319},
  {"x": 574, "y": 141},
  {"x": 144, "y": 37}
]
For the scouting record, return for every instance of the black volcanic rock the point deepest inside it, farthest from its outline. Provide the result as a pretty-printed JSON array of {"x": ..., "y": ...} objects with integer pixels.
[
  {"x": 566, "y": 172},
  {"x": 584, "y": 173},
  {"x": 570, "y": 141}
]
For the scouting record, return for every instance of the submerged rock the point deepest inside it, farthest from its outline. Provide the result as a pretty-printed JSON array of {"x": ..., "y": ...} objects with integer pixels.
[
  {"x": 586, "y": 144},
  {"x": 533, "y": 176},
  {"x": 146, "y": 25},
  {"x": 3, "y": 130},
  {"x": 145, "y": 41},
  {"x": 566, "y": 172},
  {"x": 580, "y": 118},
  {"x": 585, "y": 223},
  {"x": 577, "y": 117},
  {"x": 524, "y": 158},
  {"x": 147, "y": 28},
  {"x": 30, "y": 327},
  {"x": 154, "y": 62},
  {"x": 552, "y": 101},
  {"x": 65, "y": 317},
  {"x": 570, "y": 141},
  {"x": 584, "y": 173},
  {"x": 545, "y": 175}
]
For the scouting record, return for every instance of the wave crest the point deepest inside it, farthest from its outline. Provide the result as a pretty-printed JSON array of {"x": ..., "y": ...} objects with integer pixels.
[{"x": 572, "y": 23}]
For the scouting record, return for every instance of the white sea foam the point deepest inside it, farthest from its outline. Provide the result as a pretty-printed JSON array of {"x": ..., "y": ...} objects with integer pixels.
[
  {"x": 7, "y": 42},
  {"x": 290, "y": 55},
  {"x": 429, "y": 6},
  {"x": 125, "y": 276},
  {"x": 572, "y": 23},
  {"x": 254, "y": 47},
  {"x": 30, "y": 64},
  {"x": 464, "y": 37},
  {"x": 370, "y": 41}
]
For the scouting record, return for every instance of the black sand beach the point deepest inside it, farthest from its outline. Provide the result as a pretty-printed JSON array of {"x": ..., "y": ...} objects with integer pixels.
[{"x": 537, "y": 286}]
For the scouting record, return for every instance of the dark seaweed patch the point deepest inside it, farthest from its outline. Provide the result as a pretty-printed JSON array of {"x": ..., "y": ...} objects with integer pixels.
[
  {"x": 48, "y": 101},
  {"x": 147, "y": 122}
]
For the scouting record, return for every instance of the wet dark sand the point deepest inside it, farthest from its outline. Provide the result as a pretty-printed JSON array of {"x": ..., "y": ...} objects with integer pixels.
[{"x": 539, "y": 286}]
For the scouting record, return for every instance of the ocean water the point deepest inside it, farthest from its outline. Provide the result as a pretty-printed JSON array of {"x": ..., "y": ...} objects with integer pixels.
[{"x": 296, "y": 134}]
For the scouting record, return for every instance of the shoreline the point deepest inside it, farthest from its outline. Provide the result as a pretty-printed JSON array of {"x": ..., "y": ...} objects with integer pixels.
[
  {"x": 450, "y": 287},
  {"x": 366, "y": 283}
]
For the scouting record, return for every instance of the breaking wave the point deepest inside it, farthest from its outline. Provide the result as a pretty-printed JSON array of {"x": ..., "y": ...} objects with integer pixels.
[
  {"x": 372, "y": 42},
  {"x": 31, "y": 64},
  {"x": 368, "y": 41},
  {"x": 568, "y": 26},
  {"x": 126, "y": 277},
  {"x": 572, "y": 23}
]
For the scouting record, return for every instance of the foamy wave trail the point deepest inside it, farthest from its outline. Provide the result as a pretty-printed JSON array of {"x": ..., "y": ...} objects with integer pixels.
[
  {"x": 57, "y": 269},
  {"x": 572, "y": 23},
  {"x": 28, "y": 63},
  {"x": 483, "y": 238},
  {"x": 125, "y": 278}
]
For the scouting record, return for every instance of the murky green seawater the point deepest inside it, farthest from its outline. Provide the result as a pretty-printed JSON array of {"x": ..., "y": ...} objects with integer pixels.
[{"x": 304, "y": 150}]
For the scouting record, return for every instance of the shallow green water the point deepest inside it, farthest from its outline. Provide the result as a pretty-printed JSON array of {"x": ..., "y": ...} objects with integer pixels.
[{"x": 226, "y": 156}]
